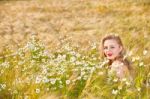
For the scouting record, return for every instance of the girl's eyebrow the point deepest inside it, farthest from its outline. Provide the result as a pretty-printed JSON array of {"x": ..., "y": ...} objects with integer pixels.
[{"x": 111, "y": 45}]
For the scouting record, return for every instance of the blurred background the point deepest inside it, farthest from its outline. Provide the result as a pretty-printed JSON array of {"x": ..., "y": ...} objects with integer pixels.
[{"x": 84, "y": 20}]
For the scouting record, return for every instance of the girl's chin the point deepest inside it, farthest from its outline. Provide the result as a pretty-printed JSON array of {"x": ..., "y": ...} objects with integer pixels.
[{"x": 110, "y": 58}]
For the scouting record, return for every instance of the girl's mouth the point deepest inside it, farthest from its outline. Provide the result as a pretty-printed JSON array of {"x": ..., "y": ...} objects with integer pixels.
[{"x": 109, "y": 54}]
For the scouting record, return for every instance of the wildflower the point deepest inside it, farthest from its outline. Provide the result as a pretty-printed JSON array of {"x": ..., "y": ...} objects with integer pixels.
[
  {"x": 47, "y": 89},
  {"x": 145, "y": 52},
  {"x": 79, "y": 78},
  {"x": 92, "y": 69},
  {"x": 15, "y": 91},
  {"x": 45, "y": 80},
  {"x": 78, "y": 63},
  {"x": 60, "y": 86},
  {"x": 119, "y": 87},
  {"x": 53, "y": 81},
  {"x": 3, "y": 86},
  {"x": 94, "y": 58},
  {"x": 30, "y": 46},
  {"x": 93, "y": 45},
  {"x": 114, "y": 92},
  {"x": 73, "y": 52},
  {"x": 60, "y": 82},
  {"x": 78, "y": 55},
  {"x": 73, "y": 59},
  {"x": 124, "y": 79},
  {"x": 99, "y": 66},
  {"x": 45, "y": 53},
  {"x": 128, "y": 83},
  {"x": 133, "y": 59},
  {"x": 74, "y": 80},
  {"x": 83, "y": 72},
  {"x": 43, "y": 60},
  {"x": 141, "y": 64},
  {"x": 137, "y": 58},
  {"x": 115, "y": 80},
  {"x": 38, "y": 80},
  {"x": 44, "y": 71},
  {"x": 85, "y": 77},
  {"x": 2, "y": 71},
  {"x": 26, "y": 97},
  {"x": 130, "y": 53},
  {"x": 85, "y": 65},
  {"x": 104, "y": 62},
  {"x": 101, "y": 73},
  {"x": 37, "y": 91},
  {"x": 21, "y": 62},
  {"x": 5, "y": 64},
  {"x": 139, "y": 89}
]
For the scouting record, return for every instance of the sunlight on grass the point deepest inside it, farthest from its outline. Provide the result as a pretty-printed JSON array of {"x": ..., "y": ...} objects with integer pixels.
[{"x": 50, "y": 49}]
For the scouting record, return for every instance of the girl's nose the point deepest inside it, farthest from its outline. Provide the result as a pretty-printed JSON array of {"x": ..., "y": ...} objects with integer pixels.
[{"x": 108, "y": 49}]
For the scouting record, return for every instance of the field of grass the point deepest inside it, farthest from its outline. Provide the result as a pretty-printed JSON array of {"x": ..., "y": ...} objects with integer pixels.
[{"x": 49, "y": 49}]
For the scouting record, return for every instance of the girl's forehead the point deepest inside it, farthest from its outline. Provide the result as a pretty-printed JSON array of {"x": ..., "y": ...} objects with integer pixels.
[{"x": 110, "y": 42}]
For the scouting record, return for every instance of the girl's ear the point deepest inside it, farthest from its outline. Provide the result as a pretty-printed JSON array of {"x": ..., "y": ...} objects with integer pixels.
[{"x": 121, "y": 48}]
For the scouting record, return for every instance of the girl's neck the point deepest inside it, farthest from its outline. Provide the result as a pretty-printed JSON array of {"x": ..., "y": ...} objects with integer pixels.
[{"x": 115, "y": 60}]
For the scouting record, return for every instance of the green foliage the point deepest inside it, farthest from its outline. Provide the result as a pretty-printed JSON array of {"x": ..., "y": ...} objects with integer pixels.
[{"x": 67, "y": 72}]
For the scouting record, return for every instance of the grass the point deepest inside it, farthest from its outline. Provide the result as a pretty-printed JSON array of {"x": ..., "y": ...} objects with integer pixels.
[{"x": 62, "y": 61}]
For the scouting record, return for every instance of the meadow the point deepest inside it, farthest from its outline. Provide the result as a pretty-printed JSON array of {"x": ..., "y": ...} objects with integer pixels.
[{"x": 50, "y": 49}]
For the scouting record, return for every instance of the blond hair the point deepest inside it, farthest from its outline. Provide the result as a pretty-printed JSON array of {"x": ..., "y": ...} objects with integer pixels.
[{"x": 121, "y": 54}]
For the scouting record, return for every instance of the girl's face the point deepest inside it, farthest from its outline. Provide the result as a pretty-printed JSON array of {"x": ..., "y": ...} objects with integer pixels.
[{"x": 111, "y": 49}]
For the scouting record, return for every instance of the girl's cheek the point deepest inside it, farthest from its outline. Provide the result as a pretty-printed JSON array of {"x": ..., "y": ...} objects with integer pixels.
[{"x": 104, "y": 51}]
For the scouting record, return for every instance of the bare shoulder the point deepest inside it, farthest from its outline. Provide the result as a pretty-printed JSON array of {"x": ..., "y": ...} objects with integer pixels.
[
  {"x": 125, "y": 67},
  {"x": 122, "y": 66},
  {"x": 119, "y": 63},
  {"x": 121, "y": 69},
  {"x": 125, "y": 70}
]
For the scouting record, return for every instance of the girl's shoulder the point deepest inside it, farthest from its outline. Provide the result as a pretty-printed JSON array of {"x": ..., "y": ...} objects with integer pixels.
[
  {"x": 118, "y": 64},
  {"x": 121, "y": 69}
]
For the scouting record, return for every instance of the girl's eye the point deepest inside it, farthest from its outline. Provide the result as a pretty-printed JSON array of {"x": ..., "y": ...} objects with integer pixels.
[
  {"x": 112, "y": 47},
  {"x": 105, "y": 47}
]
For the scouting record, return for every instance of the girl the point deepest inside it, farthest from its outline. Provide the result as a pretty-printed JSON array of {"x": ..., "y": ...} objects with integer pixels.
[{"x": 113, "y": 50}]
